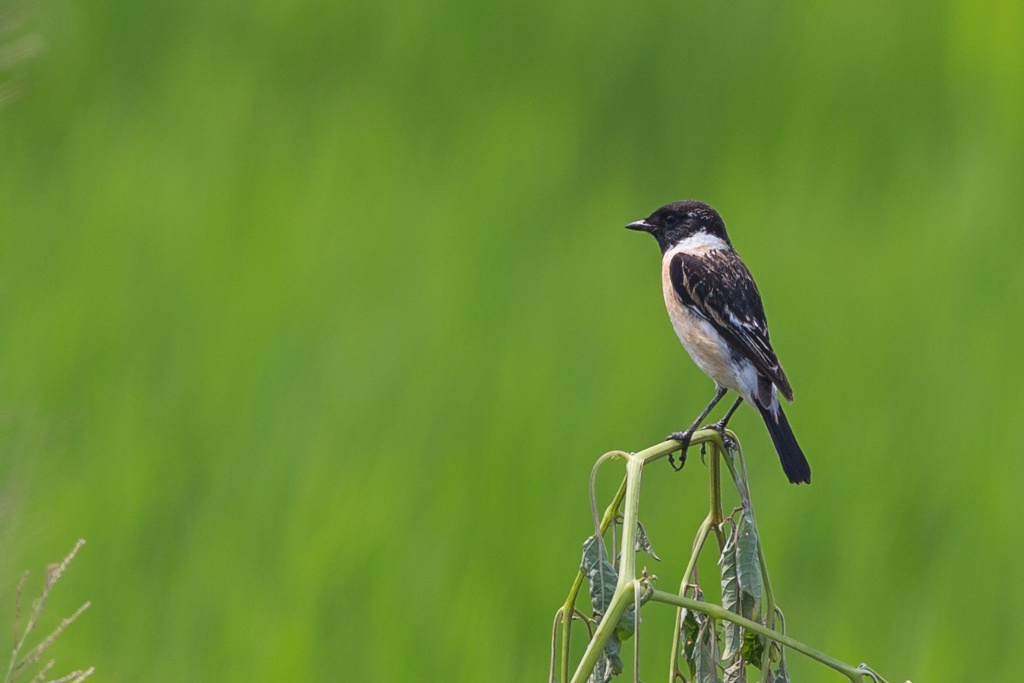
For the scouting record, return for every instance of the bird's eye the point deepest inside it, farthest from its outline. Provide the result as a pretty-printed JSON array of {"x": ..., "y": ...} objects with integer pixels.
[{"x": 672, "y": 219}]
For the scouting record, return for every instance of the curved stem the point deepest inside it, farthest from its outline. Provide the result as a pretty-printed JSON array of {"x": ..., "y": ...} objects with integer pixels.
[
  {"x": 628, "y": 586},
  {"x": 617, "y": 607},
  {"x": 698, "y": 543},
  {"x": 715, "y": 472},
  {"x": 661, "y": 450},
  {"x": 636, "y": 631},
  {"x": 648, "y": 455},
  {"x": 570, "y": 602},
  {"x": 712, "y": 522},
  {"x": 559, "y": 615},
  {"x": 717, "y": 612},
  {"x": 738, "y": 469},
  {"x": 593, "y": 482},
  {"x": 626, "y": 570},
  {"x": 744, "y": 489}
]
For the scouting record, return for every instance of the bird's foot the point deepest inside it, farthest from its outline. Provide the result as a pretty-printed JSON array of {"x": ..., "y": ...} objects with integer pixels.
[
  {"x": 720, "y": 428},
  {"x": 684, "y": 439}
]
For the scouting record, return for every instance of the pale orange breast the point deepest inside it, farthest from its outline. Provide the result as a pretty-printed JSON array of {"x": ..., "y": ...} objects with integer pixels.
[{"x": 705, "y": 345}]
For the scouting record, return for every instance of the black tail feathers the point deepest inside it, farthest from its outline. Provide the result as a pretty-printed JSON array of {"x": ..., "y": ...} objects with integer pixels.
[{"x": 794, "y": 464}]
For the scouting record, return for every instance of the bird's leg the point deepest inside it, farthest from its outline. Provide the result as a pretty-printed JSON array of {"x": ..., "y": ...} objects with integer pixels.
[
  {"x": 720, "y": 425},
  {"x": 684, "y": 437}
]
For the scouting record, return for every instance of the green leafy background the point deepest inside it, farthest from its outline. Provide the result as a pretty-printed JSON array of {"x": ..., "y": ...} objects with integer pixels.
[{"x": 314, "y": 317}]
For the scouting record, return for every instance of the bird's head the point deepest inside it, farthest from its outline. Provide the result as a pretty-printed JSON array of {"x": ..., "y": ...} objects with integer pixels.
[{"x": 677, "y": 221}]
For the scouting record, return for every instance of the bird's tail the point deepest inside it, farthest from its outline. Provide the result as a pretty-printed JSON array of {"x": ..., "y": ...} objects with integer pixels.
[{"x": 794, "y": 464}]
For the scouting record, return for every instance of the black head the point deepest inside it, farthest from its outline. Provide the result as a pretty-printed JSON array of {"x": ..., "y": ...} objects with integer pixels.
[{"x": 679, "y": 220}]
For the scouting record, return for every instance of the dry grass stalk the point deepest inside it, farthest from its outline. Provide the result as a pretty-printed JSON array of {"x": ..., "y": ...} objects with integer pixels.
[{"x": 18, "y": 665}]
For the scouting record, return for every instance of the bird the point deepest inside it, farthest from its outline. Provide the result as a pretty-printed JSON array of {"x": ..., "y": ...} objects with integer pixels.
[{"x": 716, "y": 311}]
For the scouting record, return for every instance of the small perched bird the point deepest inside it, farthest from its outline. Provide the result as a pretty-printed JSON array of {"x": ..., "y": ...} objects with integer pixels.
[{"x": 716, "y": 311}]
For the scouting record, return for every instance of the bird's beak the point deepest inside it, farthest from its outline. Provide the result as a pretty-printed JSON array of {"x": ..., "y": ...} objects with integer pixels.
[{"x": 640, "y": 225}]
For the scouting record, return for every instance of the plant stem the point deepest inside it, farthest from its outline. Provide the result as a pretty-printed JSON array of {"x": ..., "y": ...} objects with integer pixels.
[
  {"x": 627, "y": 570},
  {"x": 739, "y": 477},
  {"x": 570, "y": 602},
  {"x": 648, "y": 455},
  {"x": 715, "y": 472},
  {"x": 855, "y": 674},
  {"x": 559, "y": 615},
  {"x": 620, "y": 601},
  {"x": 738, "y": 469},
  {"x": 698, "y": 543},
  {"x": 659, "y": 451},
  {"x": 628, "y": 586},
  {"x": 712, "y": 521}
]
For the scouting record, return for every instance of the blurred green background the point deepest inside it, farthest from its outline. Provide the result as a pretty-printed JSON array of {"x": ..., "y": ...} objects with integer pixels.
[{"x": 314, "y": 317}]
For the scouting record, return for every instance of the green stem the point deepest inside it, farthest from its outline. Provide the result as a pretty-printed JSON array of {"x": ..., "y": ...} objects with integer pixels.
[
  {"x": 593, "y": 483},
  {"x": 661, "y": 450},
  {"x": 637, "y": 587},
  {"x": 627, "y": 570},
  {"x": 620, "y": 601},
  {"x": 739, "y": 477},
  {"x": 628, "y": 586},
  {"x": 570, "y": 602},
  {"x": 715, "y": 472},
  {"x": 855, "y": 674},
  {"x": 738, "y": 470},
  {"x": 698, "y": 543},
  {"x": 648, "y": 455},
  {"x": 554, "y": 645},
  {"x": 712, "y": 521}
]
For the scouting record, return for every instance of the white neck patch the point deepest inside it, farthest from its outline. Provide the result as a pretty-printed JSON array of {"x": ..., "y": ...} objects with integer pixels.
[{"x": 698, "y": 243}]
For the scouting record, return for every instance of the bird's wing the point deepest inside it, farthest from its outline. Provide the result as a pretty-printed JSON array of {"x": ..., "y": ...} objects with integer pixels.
[{"x": 718, "y": 287}]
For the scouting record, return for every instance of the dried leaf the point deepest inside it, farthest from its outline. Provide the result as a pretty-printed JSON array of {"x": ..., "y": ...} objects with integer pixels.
[
  {"x": 780, "y": 674},
  {"x": 748, "y": 567},
  {"x": 689, "y": 629},
  {"x": 599, "y": 572},
  {"x": 735, "y": 672},
  {"x": 730, "y": 596},
  {"x": 602, "y": 672},
  {"x": 610, "y": 664},
  {"x": 602, "y": 580},
  {"x": 643, "y": 542},
  {"x": 705, "y": 654}
]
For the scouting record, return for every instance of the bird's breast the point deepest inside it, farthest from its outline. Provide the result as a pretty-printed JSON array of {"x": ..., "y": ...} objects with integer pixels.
[{"x": 708, "y": 349}]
